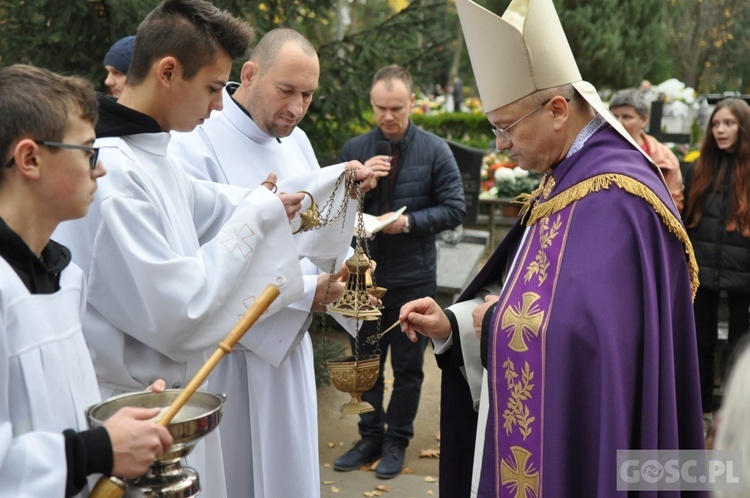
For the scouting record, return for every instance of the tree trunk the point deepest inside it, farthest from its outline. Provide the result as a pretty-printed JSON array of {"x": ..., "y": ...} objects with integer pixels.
[{"x": 457, "y": 53}]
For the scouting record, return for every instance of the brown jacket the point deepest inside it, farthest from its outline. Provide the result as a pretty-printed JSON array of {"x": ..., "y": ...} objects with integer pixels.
[{"x": 669, "y": 166}]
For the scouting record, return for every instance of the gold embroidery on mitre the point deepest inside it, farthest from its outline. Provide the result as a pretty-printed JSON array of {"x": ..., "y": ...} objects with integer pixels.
[
  {"x": 516, "y": 412},
  {"x": 540, "y": 264},
  {"x": 522, "y": 321},
  {"x": 237, "y": 239},
  {"x": 519, "y": 475},
  {"x": 631, "y": 186}
]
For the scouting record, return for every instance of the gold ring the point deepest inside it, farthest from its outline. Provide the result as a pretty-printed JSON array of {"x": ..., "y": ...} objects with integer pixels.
[{"x": 274, "y": 188}]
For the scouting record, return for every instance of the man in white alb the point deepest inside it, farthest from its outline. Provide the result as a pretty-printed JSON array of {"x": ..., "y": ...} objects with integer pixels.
[
  {"x": 275, "y": 433},
  {"x": 173, "y": 262}
]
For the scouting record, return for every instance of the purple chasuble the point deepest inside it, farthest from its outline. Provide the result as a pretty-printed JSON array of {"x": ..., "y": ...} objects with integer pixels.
[{"x": 592, "y": 346}]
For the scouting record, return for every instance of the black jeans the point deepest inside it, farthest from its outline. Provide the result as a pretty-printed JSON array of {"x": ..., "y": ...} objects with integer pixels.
[
  {"x": 396, "y": 423},
  {"x": 706, "y": 307}
]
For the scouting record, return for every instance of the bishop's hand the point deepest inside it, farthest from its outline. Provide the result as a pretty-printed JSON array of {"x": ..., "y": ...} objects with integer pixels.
[
  {"x": 477, "y": 315},
  {"x": 424, "y": 316}
]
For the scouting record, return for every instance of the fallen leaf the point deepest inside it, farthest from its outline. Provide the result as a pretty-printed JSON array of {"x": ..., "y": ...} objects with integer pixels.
[
  {"x": 334, "y": 489},
  {"x": 437, "y": 436},
  {"x": 407, "y": 470},
  {"x": 327, "y": 465},
  {"x": 381, "y": 487},
  {"x": 429, "y": 479},
  {"x": 429, "y": 492},
  {"x": 368, "y": 493},
  {"x": 429, "y": 453},
  {"x": 328, "y": 483},
  {"x": 331, "y": 445},
  {"x": 377, "y": 493}
]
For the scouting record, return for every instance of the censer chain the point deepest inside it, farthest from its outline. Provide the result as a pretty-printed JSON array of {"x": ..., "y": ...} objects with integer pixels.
[
  {"x": 349, "y": 174},
  {"x": 323, "y": 213}
]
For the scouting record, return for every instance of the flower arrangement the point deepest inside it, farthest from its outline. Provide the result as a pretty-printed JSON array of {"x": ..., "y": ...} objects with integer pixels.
[
  {"x": 436, "y": 104},
  {"x": 503, "y": 178},
  {"x": 429, "y": 105},
  {"x": 473, "y": 104},
  {"x": 686, "y": 153},
  {"x": 674, "y": 90}
]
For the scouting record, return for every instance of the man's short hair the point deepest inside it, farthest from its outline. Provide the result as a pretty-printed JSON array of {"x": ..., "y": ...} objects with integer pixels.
[
  {"x": 266, "y": 51},
  {"x": 632, "y": 97},
  {"x": 393, "y": 72},
  {"x": 36, "y": 103},
  {"x": 193, "y": 31}
]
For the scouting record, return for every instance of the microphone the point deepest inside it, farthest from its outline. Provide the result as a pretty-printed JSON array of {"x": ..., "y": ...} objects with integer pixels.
[{"x": 383, "y": 148}]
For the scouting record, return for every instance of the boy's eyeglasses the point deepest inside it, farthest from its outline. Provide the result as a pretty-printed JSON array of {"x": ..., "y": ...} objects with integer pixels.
[{"x": 93, "y": 151}]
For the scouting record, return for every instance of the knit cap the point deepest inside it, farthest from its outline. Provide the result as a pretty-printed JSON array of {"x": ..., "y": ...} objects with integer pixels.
[{"x": 120, "y": 53}]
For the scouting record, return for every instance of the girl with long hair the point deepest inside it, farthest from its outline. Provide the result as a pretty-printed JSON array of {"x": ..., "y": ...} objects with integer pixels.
[{"x": 717, "y": 216}]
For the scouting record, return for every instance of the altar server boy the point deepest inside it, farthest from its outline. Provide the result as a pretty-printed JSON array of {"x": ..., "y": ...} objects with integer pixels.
[
  {"x": 173, "y": 262},
  {"x": 46, "y": 376}
]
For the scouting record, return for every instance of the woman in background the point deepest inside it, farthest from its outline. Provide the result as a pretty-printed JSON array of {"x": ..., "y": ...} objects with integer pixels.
[{"x": 717, "y": 216}]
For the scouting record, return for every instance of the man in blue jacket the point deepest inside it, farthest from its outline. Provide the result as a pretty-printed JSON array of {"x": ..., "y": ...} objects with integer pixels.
[{"x": 421, "y": 174}]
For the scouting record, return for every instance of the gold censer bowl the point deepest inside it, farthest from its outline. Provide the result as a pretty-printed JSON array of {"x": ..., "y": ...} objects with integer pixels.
[
  {"x": 167, "y": 478},
  {"x": 354, "y": 375}
]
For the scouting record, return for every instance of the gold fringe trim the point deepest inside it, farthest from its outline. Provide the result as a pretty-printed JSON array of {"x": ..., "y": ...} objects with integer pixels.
[{"x": 634, "y": 187}]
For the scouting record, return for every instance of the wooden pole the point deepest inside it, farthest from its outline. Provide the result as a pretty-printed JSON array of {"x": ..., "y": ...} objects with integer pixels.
[{"x": 112, "y": 487}]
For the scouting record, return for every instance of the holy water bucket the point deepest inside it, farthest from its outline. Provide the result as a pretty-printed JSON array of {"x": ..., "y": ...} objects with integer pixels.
[{"x": 167, "y": 478}]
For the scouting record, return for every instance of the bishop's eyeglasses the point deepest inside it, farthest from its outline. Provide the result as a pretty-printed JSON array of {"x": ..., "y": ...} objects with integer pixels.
[
  {"x": 502, "y": 133},
  {"x": 92, "y": 151}
]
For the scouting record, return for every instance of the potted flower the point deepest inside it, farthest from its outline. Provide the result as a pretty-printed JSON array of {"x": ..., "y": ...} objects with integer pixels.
[{"x": 502, "y": 178}]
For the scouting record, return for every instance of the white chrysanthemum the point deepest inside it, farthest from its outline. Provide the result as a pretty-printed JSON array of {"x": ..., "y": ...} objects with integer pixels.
[
  {"x": 688, "y": 95},
  {"x": 672, "y": 88},
  {"x": 520, "y": 173},
  {"x": 491, "y": 193},
  {"x": 675, "y": 90},
  {"x": 505, "y": 175}
]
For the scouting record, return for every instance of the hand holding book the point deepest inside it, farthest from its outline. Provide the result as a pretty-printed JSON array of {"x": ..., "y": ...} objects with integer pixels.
[{"x": 374, "y": 224}]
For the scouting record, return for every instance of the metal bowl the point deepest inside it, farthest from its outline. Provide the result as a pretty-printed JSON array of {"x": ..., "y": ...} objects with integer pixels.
[{"x": 199, "y": 416}]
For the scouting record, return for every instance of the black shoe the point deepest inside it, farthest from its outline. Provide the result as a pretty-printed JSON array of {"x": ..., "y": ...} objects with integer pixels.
[
  {"x": 366, "y": 450},
  {"x": 392, "y": 461}
]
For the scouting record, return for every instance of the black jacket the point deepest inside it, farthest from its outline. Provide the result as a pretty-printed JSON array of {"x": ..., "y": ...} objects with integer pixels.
[
  {"x": 428, "y": 183},
  {"x": 723, "y": 257}
]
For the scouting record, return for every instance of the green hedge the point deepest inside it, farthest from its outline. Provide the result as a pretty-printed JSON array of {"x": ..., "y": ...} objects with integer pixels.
[
  {"x": 466, "y": 128},
  {"x": 470, "y": 129}
]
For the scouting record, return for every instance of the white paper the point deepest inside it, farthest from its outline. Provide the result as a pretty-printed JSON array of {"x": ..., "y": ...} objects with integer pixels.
[{"x": 373, "y": 225}]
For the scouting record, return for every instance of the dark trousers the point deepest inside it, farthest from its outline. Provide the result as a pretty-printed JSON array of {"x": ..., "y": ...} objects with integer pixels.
[
  {"x": 394, "y": 424},
  {"x": 706, "y": 307}
]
